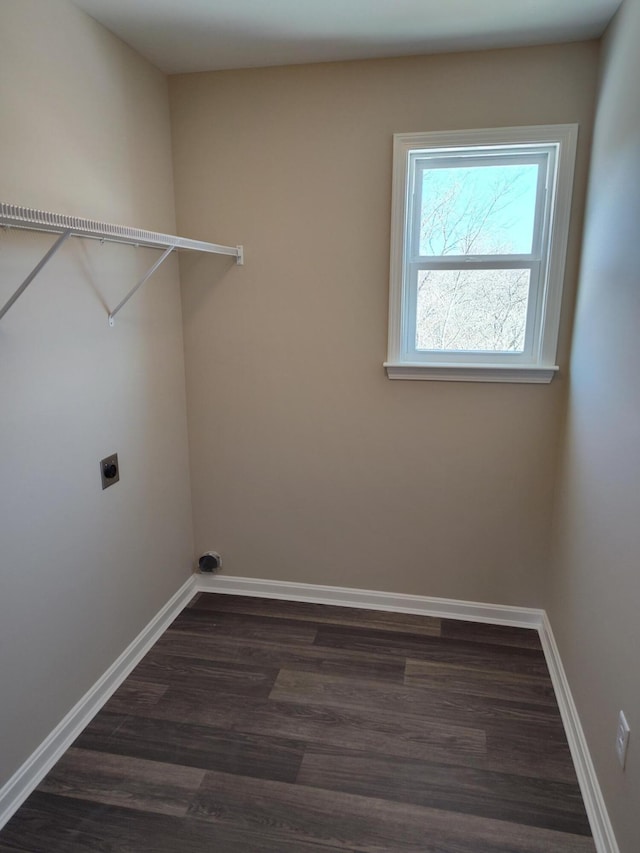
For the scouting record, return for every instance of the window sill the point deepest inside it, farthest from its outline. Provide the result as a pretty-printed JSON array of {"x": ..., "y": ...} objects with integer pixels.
[{"x": 470, "y": 372}]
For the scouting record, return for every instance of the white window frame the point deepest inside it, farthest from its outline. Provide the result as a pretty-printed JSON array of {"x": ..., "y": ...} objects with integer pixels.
[{"x": 557, "y": 145}]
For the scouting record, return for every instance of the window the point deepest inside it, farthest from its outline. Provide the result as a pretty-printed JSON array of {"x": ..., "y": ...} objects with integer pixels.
[{"x": 480, "y": 222}]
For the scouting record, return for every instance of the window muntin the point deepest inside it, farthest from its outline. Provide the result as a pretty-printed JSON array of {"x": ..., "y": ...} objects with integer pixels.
[{"x": 474, "y": 280}]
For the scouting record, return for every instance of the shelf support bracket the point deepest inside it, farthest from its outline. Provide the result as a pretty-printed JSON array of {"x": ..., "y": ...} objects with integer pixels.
[
  {"x": 34, "y": 272},
  {"x": 144, "y": 278}
]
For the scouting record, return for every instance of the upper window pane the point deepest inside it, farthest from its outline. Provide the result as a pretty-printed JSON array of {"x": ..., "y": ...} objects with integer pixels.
[{"x": 476, "y": 210}]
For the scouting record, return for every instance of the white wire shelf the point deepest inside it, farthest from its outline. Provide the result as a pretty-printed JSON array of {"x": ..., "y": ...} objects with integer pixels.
[{"x": 15, "y": 216}]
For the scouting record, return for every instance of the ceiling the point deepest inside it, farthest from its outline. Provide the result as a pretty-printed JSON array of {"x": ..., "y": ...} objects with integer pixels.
[{"x": 205, "y": 35}]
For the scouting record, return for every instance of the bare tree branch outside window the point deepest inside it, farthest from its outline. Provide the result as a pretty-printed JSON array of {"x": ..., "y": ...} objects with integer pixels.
[{"x": 475, "y": 211}]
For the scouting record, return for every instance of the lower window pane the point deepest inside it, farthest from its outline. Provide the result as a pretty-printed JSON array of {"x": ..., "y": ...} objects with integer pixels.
[{"x": 472, "y": 310}]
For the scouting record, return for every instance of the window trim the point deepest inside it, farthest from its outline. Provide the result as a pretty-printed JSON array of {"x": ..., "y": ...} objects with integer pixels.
[{"x": 541, "y": 368}]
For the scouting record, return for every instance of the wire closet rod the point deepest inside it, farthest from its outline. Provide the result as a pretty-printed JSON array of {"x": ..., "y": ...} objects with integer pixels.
[
  {"x": 39, "y": 220},
  {"x": 15, "y": 216}
]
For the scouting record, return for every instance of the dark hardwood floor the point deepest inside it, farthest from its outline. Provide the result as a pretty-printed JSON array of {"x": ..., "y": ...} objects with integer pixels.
[{"x": 260, "y": 725}]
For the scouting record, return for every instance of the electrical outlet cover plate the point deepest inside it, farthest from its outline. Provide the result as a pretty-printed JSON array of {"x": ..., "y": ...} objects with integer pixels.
[
  {"x": 622, "y": 738},
  {"x": 109, "y": 470}
]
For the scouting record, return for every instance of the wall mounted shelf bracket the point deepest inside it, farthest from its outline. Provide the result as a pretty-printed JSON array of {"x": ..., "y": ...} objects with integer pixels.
[
  {"x": 144, "y": 278},
  {"x": 34, "y": 272},
  {"x": 13, "y": 216}
]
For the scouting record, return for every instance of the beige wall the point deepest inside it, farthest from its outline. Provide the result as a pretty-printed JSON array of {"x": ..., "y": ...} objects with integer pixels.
[
  {"x": 595, "y": 585},
  {"x": 307, "y": 463},
  {"x": 84, "y": 130}
]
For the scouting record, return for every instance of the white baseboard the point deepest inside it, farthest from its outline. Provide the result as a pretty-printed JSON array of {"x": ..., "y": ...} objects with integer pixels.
[
  {"x": 27, "y": 777},
  {"x": 497, "y": 614},
  {"x": 36, "y": 767},
  {"x": 601, "y": 828}
]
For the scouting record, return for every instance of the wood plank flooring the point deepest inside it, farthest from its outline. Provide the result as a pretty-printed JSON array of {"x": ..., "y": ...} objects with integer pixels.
[{"x": 284, "y": 727}]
